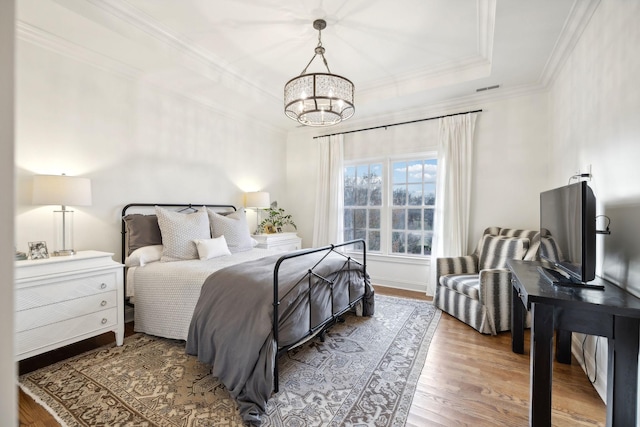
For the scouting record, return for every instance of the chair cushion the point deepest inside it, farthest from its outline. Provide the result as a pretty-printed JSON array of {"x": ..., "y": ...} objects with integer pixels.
[
  {"x": 516, "y": 232},
  {"x": 496, "y": 250},
  {"x": 465, "y": 284},
  {"x": 532, "y": 235}
]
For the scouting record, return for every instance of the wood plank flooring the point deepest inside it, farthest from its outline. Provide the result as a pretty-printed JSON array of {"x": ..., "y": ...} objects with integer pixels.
[{"x": 469, "y": 379}]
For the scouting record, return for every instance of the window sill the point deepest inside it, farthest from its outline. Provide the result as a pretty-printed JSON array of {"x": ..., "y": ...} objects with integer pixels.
[{"x": 397, "y": 259}]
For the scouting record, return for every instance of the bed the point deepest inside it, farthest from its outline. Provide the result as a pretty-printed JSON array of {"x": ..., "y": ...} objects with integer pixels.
[{"x": 236, "y": 306}]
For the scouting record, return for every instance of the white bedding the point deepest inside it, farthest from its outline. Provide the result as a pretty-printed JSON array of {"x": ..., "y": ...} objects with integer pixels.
[{"x": 166, "y": 293}]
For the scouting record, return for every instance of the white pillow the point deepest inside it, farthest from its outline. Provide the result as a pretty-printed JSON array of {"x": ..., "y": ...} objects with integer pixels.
[
  {"x": 144, "y": 255},
  {"x": 179, "y": 230},
  {"x": 212, "y": 248},
  {"x": 233, "y": 227}
]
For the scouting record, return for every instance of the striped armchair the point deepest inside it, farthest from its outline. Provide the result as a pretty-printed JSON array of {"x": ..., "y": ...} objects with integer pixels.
[{"x": 476, "y": 288}]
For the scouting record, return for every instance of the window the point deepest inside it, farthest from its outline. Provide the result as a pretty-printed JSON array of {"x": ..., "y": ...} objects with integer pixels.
[
  {"x": 391, "y": 205},
  {"x": 363, "y": 204},
  {"x": 413, "y": 203}
]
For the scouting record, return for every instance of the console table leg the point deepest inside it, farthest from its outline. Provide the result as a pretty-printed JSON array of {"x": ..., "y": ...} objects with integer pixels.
[
  {"x": 517, "y": 322},
  {"x": 541, "y": 365},
  {"x": 622, "y": 378},
  {"x": 563, "y": 346}
]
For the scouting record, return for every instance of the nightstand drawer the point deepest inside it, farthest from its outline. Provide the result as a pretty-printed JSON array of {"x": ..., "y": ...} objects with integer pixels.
[
  {"x": 57, "y": 334},
  {"x": 279, "y": 241},
  {"x": 54, "y": 313},
  {"x": 286, "y": 246},
  {"x": 65, "y": 288}
]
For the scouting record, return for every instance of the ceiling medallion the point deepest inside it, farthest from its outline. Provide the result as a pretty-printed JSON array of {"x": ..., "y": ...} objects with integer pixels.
[{"x": 319, "y": 99}]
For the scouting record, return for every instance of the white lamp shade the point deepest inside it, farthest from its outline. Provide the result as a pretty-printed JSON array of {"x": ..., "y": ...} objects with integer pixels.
[
  {"x": 257, "y": 199},
  {"x": 61, "y": 190}
]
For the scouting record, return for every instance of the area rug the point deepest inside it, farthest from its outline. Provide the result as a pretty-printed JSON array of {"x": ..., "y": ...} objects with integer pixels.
[{"x": 364, "y": 374}]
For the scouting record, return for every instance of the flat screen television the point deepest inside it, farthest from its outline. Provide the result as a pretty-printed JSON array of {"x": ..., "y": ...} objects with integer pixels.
[{"x": 568, "y": 230}]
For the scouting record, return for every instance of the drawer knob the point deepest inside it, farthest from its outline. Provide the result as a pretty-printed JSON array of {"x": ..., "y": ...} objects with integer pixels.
[
  {"x": 104, "y": 320},
  {"x": 103, "y": 303},
  {"x": 103, "y": 285}
]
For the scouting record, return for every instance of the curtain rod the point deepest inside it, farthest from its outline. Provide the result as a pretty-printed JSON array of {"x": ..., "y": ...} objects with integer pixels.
[{"x": 398, "y": 124}]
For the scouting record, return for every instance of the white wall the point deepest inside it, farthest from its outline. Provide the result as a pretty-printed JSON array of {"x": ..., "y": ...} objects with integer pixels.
[
  {"x": 510, "y": 170},
  {"x": 510, "y": 164},
  {"x": 137, "y": 143},
  {"x": 595, "y": 106},
  {"x": 8, "y": 397}
]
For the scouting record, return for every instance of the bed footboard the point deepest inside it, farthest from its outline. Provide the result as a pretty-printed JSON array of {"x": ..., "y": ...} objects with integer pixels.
[{"x": 313, "y": 277}]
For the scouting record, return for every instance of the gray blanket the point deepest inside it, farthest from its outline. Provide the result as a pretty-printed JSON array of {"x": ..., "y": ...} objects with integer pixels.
[{"x": 231, "y": 328}]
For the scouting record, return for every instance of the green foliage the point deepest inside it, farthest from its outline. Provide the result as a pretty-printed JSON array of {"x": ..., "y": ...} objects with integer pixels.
[{"x": 277, "y": 218}]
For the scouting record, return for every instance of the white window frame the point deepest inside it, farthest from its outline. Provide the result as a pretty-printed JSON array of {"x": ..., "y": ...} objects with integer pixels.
[{"x": 387, "y": 200}]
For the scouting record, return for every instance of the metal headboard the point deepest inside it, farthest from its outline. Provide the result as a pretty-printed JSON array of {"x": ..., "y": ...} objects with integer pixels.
[{"x": 183, "y": 207}]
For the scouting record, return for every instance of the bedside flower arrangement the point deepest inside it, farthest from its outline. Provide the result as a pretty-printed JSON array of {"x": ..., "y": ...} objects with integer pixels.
[{"x": 276, "y": 220}]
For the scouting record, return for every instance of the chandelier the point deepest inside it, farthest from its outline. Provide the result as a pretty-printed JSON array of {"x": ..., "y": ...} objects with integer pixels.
[{"x": 319, "y": 99}]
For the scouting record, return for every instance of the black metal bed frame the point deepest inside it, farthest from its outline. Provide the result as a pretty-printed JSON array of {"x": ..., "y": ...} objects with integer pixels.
[
  {"x": 334, "y": 317},
  {"x": 308, "y": 277}
]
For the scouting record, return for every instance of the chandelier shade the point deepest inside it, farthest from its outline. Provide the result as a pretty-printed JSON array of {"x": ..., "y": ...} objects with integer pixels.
[{"x": 319, "y": 99}]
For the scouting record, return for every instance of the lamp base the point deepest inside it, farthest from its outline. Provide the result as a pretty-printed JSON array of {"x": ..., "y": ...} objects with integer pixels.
[{"x": 64, "y": 252}]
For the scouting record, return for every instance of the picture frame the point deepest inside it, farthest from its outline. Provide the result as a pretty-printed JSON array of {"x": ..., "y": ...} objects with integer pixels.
[
  {"x": 38, "y": 250},
  {"x": 269, "y": 229}
]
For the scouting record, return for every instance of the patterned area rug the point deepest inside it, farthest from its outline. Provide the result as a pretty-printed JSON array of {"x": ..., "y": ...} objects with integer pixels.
[{"x": 364, "y": 374}]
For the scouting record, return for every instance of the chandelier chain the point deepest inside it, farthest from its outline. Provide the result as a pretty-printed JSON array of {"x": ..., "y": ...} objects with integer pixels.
[{"x": 319, "y": 50}]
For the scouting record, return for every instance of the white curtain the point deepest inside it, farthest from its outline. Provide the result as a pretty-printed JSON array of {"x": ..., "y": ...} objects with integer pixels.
[
  {"x": 453, "y": 193},
  {"x": 328, "y": 225}
]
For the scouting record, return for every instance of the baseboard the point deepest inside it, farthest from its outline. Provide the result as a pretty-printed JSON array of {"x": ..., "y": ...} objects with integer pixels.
[
  {"x": 589, "y": 365},
  {"x": 398, "y": 284}
]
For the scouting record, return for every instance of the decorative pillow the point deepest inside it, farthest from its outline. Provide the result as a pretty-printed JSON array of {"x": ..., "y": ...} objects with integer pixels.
[
  {"x": 496, "y": 250},
  {"x": 179, "y": 230},
  {"x": 233, "y": 227},
  {"x": 212, "y": 248},
  {"x": 144, "y": 255},
  {"x": 142, "y": 230}
]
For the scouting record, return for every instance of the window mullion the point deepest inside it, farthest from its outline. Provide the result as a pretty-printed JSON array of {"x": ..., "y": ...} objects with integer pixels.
[{"x": 372, "y": 200}]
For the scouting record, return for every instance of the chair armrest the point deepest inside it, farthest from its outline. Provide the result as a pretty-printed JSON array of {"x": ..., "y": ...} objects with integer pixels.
[
  {"x": 456, "y": 265},
  {"x": 492, "y": 282},
  {"x": 495, "y": 295}
]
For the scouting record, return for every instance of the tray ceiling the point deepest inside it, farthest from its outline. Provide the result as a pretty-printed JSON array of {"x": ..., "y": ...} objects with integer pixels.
[{"x": 236, "y": 56}]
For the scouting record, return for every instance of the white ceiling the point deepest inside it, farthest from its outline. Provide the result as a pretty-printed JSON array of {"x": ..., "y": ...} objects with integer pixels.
[{"x": 235, "y": 56}]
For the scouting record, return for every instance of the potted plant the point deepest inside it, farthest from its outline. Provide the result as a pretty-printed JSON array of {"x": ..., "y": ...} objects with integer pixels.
[{"x": 276, "y": 219}]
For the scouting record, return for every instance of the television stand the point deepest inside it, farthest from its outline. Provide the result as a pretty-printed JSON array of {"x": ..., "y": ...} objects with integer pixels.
[
  {"x": 556, "y": 278},
  {"x": 614, "y": 314}
]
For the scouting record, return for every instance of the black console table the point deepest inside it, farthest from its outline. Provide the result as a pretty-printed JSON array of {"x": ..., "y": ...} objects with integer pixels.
[{"x": 613, "y": 313}]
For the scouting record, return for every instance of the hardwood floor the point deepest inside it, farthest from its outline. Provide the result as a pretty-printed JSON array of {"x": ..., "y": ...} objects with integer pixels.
[{"x": 469, "y": 379}]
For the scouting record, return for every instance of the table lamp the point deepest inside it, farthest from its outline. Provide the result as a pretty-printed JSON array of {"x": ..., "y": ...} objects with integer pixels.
[
  {"x": 65, "y": 191},
  {"x": 257, "y": 200}
]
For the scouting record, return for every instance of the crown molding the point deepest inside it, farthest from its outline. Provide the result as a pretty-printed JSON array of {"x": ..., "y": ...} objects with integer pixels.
[
  {"x": 213, "y": 66},
  {"x": 46, "y": 40},
  {"x": 578, "y": 19},
  {"x": 51, "y": 42},
  {"x": 469, "y": 102},
  {"x": 451, "y": 72},
  {"x": 486, "y": 28}
]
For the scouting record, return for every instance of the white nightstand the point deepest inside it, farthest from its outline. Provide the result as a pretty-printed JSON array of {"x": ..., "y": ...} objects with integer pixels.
[
  {"x": 61, "y": 300},
  {"x": 279, "y": 241}
]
